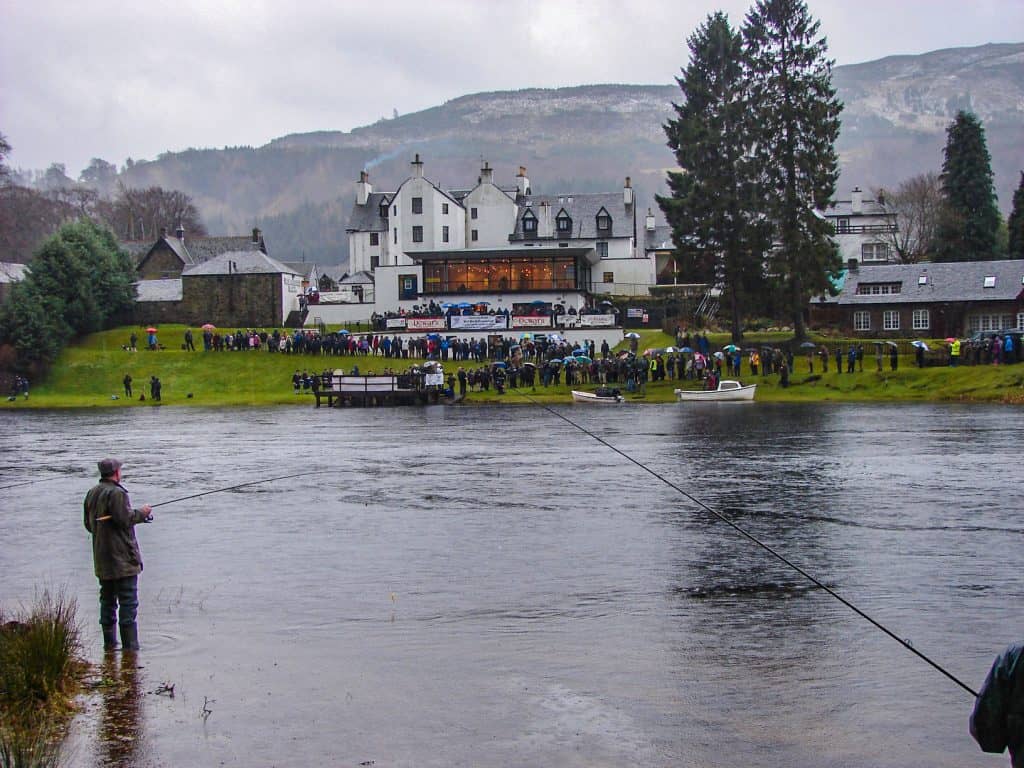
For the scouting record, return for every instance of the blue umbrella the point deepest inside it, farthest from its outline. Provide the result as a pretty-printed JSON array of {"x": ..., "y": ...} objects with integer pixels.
[
  {"x": 686, "y": 349},
  {"x": 538, "y": 303},
  {"x": 579, "y": 351},
  {"x": 568, "y": 360},
  {"x": 632, "y": 335},
  {"x": 343, "y": 331},
  {"x": 499, "y": 364},
  {"x": 433, "y": 335},
  {"x": 583, "y": 359},
  {"x": 447, "y": 305},
  {"x": 462, "y": 305}
]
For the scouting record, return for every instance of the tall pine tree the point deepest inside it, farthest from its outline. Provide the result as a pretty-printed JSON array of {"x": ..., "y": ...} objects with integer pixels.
[
  {"x": 796, "y": 114},
  {"x": 711, "y": 208},
  {"x": 969, "y": 228},
  {"x": 1015, "y": 224}
]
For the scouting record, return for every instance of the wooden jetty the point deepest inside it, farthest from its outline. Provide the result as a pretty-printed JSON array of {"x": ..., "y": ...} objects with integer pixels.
[{"x": 340, "y": 389}]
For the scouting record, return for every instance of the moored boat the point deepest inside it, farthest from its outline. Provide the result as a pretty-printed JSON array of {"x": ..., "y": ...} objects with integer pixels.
[
  {"x": 727, "y": 391},
  {"x": 601, "y": 397}
]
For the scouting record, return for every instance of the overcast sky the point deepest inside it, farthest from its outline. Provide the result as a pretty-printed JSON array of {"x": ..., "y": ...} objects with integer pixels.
[{"x": 97, "y": 78}]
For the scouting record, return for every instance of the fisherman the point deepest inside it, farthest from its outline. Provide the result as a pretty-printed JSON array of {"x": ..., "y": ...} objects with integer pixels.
[
  {"x": 997, "y": 722},
  {"x": 117, "y": 561}
]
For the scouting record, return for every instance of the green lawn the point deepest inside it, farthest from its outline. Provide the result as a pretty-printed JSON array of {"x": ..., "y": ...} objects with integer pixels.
[{"x": 90, "y": 373}]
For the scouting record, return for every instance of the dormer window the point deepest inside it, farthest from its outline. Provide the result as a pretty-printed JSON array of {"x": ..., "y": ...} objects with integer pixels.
[
  {"x": 529, "y": 224},
  {"x": 604, "y": 222},
  {"x": 384, "y": 209},
  {"x": 922, "y": 280},
  {"x": 563, "y": 223},
  {"x": 990, "y": 281}
]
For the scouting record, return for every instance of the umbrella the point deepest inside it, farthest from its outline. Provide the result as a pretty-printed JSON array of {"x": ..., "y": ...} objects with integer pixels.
[
  {"x": 568, "y": 359},
  {"x": 671, "y": 349},
  {"x": 808, "y": 345},
  {"x": 632, "y": 335},
  {"x": 538, "y": 303},
  {"x": 555, "y": 362},
  {"x": 208, "y": 326},
  {"x": 343, "y": 332},
  {"x": 151, "y": 330},
  {"x": 583, "y": 359},
  {"x": 529, "y": 365},
  {"x": 499, "y": 364},
  {"x": 891, "y": 344},
  {"x": 731, "y": 348},
  {"x": 462, "y": 305},
  {"x": 434, "y": 336},
  {"x": 950, "y": 340},
  {"x": 526, "y": 336},
  {"x": 686, "y": 349},
  {"x": 579, "y": 351},
  {"x": 446, "y": 305},
  {"x": 607, "y": 303},
  {"x": 719, "y": 355},
  {"x": 919, "y": 344}
]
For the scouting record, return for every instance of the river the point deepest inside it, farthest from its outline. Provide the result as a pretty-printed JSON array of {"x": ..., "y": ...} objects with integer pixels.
[{"x": 492, "y": 586}]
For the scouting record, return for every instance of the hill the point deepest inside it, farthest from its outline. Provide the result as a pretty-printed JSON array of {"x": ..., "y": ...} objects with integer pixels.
[{"x": 299, "y": 188}]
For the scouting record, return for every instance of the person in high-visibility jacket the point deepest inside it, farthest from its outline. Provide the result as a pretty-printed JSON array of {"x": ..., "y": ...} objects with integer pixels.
[{"x": 954, "y": 353}]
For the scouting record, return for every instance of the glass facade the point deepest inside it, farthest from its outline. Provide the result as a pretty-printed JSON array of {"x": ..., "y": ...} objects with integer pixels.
[{"x": 516, "y": 274}]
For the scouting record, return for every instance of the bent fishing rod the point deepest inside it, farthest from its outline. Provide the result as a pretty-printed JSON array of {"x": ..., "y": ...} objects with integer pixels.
[
  {"x": 229, "y": 488},
  {"x": 746, "y": 534}
]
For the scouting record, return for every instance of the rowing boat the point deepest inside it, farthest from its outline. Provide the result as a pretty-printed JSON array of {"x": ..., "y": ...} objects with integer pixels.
[
  {"x": 727, "y": 391},
  {"x": 598, "y": 399}
]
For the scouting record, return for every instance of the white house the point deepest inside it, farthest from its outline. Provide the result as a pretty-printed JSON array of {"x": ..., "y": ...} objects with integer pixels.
[{"x": 863, "y": 228}]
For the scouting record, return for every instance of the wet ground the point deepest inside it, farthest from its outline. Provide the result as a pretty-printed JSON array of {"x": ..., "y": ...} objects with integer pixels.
[{"x": 493, "y": 587}]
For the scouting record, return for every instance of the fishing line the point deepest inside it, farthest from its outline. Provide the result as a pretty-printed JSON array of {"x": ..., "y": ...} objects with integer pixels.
[
  {"x": 240, "y": 485},
  {"x": 905, "y": 643}
]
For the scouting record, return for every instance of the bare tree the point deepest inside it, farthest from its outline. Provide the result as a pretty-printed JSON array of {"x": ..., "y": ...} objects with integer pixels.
[
  {"x": 917, "y": 203},
  {"x": 139, "y": 214}
]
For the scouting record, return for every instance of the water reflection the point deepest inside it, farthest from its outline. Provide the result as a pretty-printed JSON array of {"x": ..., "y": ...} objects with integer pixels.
[{"x": 120, "y": 725}]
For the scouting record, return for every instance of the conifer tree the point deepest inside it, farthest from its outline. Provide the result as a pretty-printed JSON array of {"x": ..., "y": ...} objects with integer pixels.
[
  {"x": 1015, "y": 224},
  {"x": 969, "y": 228},
  {"x": 795, "y": 112},
  {"x": 712, "y": 207}
]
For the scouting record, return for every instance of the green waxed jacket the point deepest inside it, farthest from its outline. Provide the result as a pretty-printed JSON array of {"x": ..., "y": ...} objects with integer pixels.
[
  {"x": 109, "y": 517},
  {"x": 997, "y": 722}
]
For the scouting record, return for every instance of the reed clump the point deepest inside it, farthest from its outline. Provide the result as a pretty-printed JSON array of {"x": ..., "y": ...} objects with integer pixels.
[{"x": 41, "y": 667}]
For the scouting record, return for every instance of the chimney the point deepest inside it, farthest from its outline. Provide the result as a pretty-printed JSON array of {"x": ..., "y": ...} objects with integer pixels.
[
  {"x": 627, "y": 192},
  {"x": 486, "y": 174},
  {"x": 857, "y": 200},
  {"x": 180, "y": 232},
  {"x": 649, "y": 221},
  {"x": 544, "y": 221},
  {"x": 417, "y": 167},
  {"x": 256, "y": 235},
  {"x": 522, "y": 183},
  {"x": 881, "y": 197},
  {"x": 363, "y": 188}
]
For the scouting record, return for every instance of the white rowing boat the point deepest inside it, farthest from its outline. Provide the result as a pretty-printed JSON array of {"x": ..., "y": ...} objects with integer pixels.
[
  {"x": 591, "y": 397},
  {"x": 727, "y": 391}
]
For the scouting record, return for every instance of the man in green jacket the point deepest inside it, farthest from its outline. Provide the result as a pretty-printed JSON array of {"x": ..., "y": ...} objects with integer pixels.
[
  {"x": 109, "y": 517},
  {"x": 997, "y": 722}
]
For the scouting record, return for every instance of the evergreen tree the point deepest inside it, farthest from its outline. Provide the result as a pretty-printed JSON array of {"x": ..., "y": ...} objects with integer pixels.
[
  {"x": 711, "y": 208},
  {"x": 1015, "y": 224},
  {"x": 794, "y": 109},
  {"x": 970, "y": 223}
]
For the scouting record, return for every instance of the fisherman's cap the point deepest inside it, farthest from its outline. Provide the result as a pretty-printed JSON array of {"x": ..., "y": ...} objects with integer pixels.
[{"x": 108, "y": 467}]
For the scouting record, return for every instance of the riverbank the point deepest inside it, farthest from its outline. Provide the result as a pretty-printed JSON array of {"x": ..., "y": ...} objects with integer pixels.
[{"x": 90, "y": 373}]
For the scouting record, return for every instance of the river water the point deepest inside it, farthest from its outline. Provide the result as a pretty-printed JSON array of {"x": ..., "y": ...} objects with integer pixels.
[{"x": 466, "y": 587}]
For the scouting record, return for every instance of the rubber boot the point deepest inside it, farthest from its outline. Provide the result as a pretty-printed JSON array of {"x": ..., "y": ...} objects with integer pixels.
[
  {"x": 109, "y": 637},
  {"x": 130, "y": 637}
]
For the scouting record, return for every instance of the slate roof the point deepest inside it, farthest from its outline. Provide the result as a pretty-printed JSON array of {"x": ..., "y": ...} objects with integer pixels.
[
  {"x": 12, "y": 272},
  {"x": 158, "y": 290},
  {"x": 361, "y": 277},
  {"x": 136, "y": 249},
  {"x": 248, "y": 262},
  {"x": 582, "y": 209},
  {"x": 307, "y": 269},
  {"x": 336, "y": 272},
  {"x": 367, "y": 218},
  {"x": 205, "y": 248},
  {"x": 960, "y": 281}
]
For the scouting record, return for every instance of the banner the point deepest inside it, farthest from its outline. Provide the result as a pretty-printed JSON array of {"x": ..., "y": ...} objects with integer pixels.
[
  {"x": 597, "y": 321},
  {"x": 635, "y": 312},
  {"x": 479, "y": 322},
  {"x": 395, "y": 322},
  {"x": 434, "y": 379},
  {"x": 425, "y": 323},
  {"x": 528, "y": 321}
]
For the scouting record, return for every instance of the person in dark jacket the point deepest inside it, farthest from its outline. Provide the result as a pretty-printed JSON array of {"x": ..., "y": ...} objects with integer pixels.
[
  {"x": 109, "y": 517},
  {"x": 997, "y": 722}
]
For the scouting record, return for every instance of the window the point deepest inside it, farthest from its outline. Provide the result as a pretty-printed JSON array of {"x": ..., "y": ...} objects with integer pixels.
[
  {"x": 529, "y": 224},
  {"x": 417, "y": 205},
  {"x": 922, "y": 280},
  {"x": 989, "y": 322},
  {"x": 407, "y": 287},
  {"x": 474, "y": 235},
  {"x": 990, "y": 281},
  {"x": 874, "y": 252},
  {"x": 394, "y": 210},
  {"x": 1020, "y": 321},
  {"x": 608, "y": 277},
  {"x": 374, "y": 262},
  {"x": 843, "y": 225},
  {"x": 862, "y": 321},
  {"x": 384, "y": 210},
  {"x": 604, "y": 221},
  {"x": 602, "y": 249},
  {"x": 878, "y": 289},
  {"x": 444, "y": 208},
  {"x": 417, "y": 234},
  {"x": 922, "y": 320},
  {"x": 891, "y": 320},
  {"x": 374, "y": 238},
  {"x": 444, "y": 234},
  {"x": 472, "y": 213},
  {"x": 396, "y": 235},
  {"x": 563, "y": 223}
]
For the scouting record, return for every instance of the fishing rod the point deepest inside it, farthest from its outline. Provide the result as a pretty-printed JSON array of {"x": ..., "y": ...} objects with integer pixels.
[
  {"x": 229, "y": 488},
  {"x": 743, "y": 532}
]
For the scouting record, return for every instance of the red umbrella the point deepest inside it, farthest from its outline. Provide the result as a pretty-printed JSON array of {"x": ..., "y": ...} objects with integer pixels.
[
  {"x": 208, "y": 326},
  {"x": 151, "y": 330}
]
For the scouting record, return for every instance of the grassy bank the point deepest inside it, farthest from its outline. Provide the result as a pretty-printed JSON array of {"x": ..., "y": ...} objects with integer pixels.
[{"x": 90, "y": 373}]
